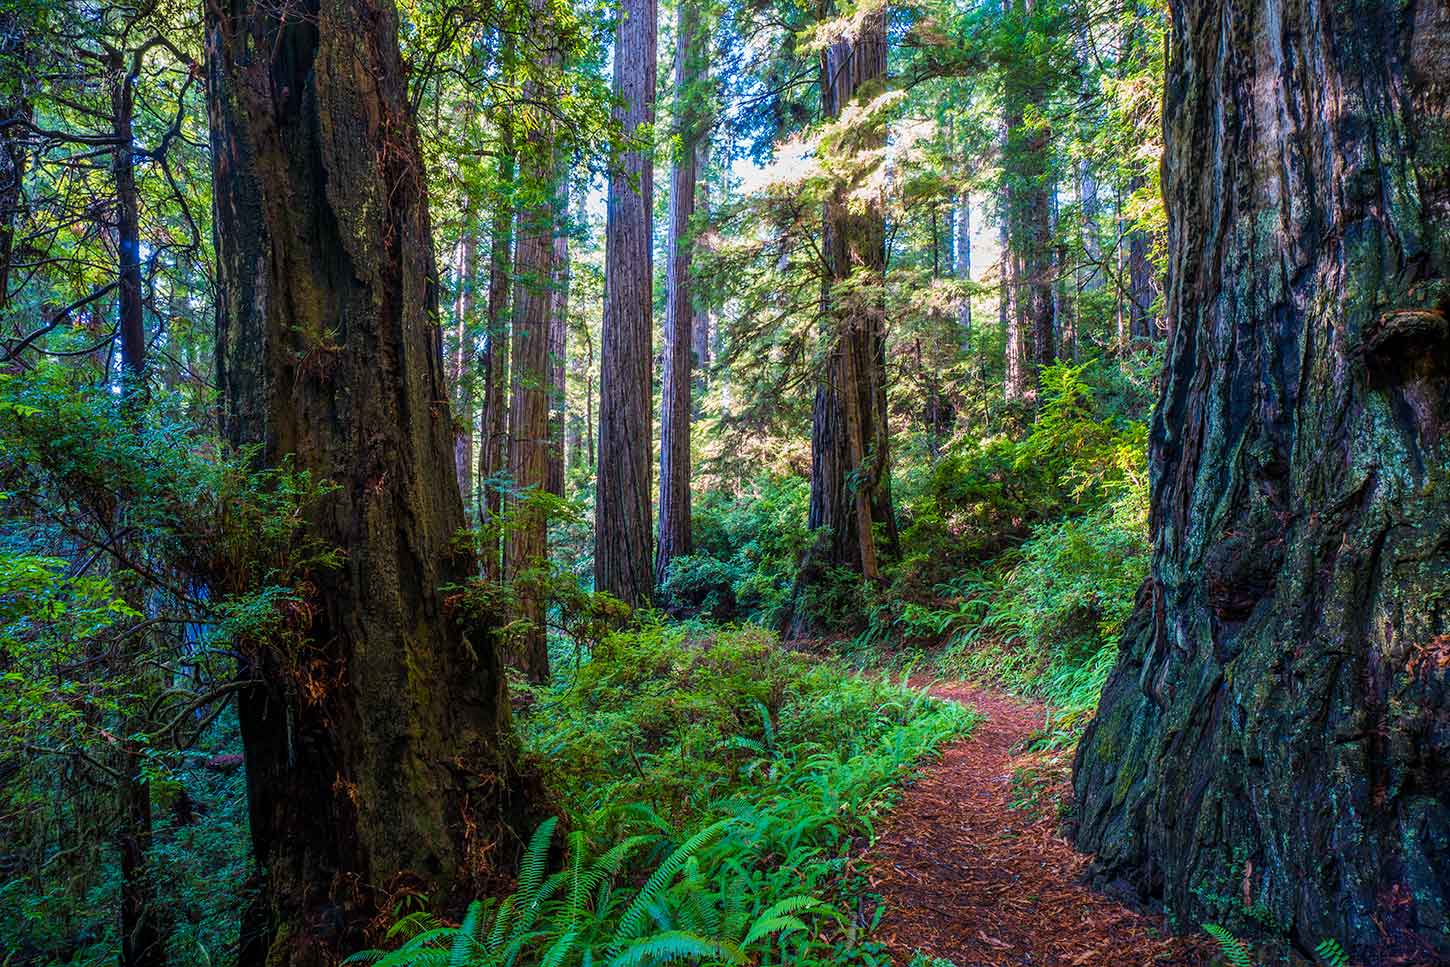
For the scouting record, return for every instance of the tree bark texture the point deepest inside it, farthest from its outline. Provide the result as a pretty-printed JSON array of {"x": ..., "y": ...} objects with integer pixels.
[
  {"x": 526, "y": 560},
  {"x": 378, "y": 739},
  {"x": 623, "y": 555},
  {"x": 130, "y": 321},
  {"x": 1272, "y": 745},
  {"x": 559, "y": 342},
  {"x": 1027, "y": 168},
  {"x": 850, "y": 445},
  {"x": 15, "y": 57},
  {"x": 676, "y": 411},
  {"x": 463, "y": 374},
  {"x": 493, "y": 456}
]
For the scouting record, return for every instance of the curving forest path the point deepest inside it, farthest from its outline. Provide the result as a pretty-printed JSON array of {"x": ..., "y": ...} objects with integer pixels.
[{"x": 967, "y": 877}]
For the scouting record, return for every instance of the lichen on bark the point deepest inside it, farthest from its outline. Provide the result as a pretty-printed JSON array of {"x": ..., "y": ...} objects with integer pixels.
[{"x": 1272, "y": 750}]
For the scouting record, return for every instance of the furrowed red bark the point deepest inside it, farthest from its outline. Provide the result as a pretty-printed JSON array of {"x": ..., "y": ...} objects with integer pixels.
[
  {"x": 1271, "y": 749},
  {"x": 526, "y": 561},
  {"x": 378, "y": 739},
  {"x": 623, "y": 555},
  {"x": 676, "y": 411}
]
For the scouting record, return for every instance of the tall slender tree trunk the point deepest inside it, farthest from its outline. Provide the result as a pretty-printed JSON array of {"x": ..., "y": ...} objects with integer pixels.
[
  {"x": 676, "y": 411},
  {"x": 700, "y": 339},
  {"x": 963, "y": 228},
  {"x": 377, "y": 731},
  {"x": 130, "y": 323},
  {"x": 623, "y": 558},
  {"x": 14, "y": 106},
  {"x": 463, "y": 374},
  {"x": 494, "y": 454},
  {"x": 526, "y": 560},
  {"x": 559, "y": 342},
  {"x": 1271, "y": 745},
  {"x": 1028, "y": 169},
  {"x": 1141, "y": 288},
  {"x": 142, "y": 940},
  {"x": 850, "y": 446}
]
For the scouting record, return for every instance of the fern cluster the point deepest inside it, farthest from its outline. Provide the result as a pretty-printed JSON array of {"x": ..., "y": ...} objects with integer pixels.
[
  {"x": 1328, "y": 953},
  {"x": 717, "y": 786}
]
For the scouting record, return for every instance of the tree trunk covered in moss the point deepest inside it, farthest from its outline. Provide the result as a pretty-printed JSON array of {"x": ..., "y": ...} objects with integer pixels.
[
  {"x": 850, "y": 442},
  {"x": 1272, "y": 745},
  {"x": 378, "y": 740}
]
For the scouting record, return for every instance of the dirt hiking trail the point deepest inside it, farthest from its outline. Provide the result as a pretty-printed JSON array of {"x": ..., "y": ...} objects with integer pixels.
[{"x": 966, "y": 877}]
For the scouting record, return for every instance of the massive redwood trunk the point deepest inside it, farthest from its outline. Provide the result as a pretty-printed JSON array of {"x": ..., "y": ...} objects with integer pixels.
[
  {"x": 378, "y": 735},
  {"x": 1272, "y": 748},
  {"x": 623, "y": 558},
  {"x": 850, "y": 443}
]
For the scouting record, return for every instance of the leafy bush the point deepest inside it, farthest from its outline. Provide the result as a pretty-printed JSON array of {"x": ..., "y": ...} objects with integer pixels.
[{"x": 747, "y": 546}]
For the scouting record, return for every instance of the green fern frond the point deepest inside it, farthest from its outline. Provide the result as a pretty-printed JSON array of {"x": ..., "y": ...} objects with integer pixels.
[
  {"x": 1331, "y": 954},
  {"x": 675, "y": 945},
  {"x": 764, "y": 927},
  {"x": 1235, "y": 951},
  {"x": 634, "y": 914},
  {"x": 536, "y": 860},
  {"x": 467, "y": 940}
]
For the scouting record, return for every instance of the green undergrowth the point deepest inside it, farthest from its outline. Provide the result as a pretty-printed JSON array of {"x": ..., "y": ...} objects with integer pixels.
[
  {"x": 716, "y": 786},
  {"x": 1022, "y": 557}
]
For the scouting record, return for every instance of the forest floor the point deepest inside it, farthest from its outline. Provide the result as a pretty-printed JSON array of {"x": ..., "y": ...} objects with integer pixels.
[{"x": 971, "y": 872}]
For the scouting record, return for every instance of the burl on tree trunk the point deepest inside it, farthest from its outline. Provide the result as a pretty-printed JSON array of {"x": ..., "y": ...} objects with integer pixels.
[
  {"x": 378, "y": 740},
  {"x": 1273, "y": 747}
]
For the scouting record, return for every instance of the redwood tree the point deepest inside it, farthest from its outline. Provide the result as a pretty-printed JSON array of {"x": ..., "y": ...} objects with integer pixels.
[
  {"x": 623, "y": 563},
  {"x": 1271, "y": 745},
  {"x": 850, "y": 446},
  {"x": 680, "y": 329},
  {"x": 534, "y": 307},
  {"x": 377, "y": 731}
]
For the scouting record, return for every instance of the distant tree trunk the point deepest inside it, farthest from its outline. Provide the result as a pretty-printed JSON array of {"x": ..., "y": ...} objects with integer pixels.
[
  {"x": 963, "y": 229},
  {"x": 1064, "y": 288},
  {"x": 130, "y": 323},
  {"x": 463, "y": 376},
  {"x": 1271, "y": 746},
  {"x": 526, "y": 559},
  {"x": 1090, "y": 279},
  {"x": 14, "y": 55},
  {"x": 1027, "y": 166},
  {"x": 850, "y": 445},
  {"x": 378, "y": 740},
  {"x": 142, "y": 940},
  {"x": 676, "y": 411},
  {"x": 493, "y": 456},
  {"x": 623, "y": 559},
  {"x": 559, "y": 341},
  {"x": 700, "y": 339},
  {"x": 1141, "y": 289}
]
